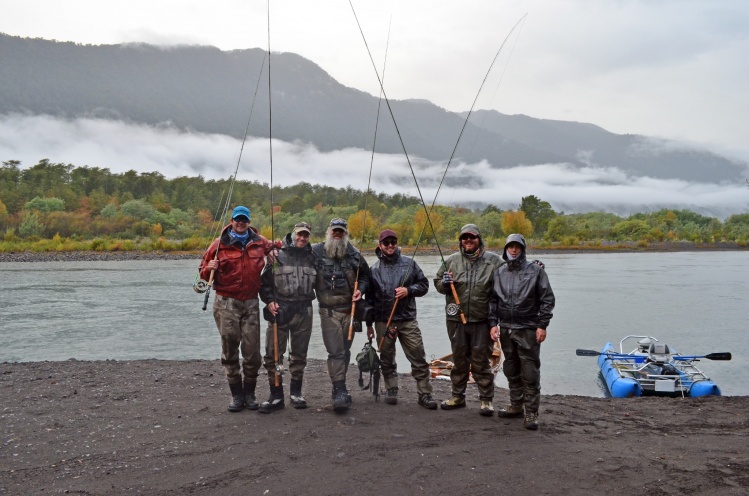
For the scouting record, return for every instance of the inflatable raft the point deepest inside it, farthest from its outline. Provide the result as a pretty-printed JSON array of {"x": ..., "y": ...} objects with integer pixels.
[{"x": 653, "y": 368}]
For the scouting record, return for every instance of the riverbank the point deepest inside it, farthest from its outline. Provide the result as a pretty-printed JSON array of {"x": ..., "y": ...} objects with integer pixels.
[
  {"x": 72, "y": 256},
  {"x": 161, "y": 428}
]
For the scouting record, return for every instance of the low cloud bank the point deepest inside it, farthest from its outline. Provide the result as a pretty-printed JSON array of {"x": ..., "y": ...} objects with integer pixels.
[{"x": 120, "y": 146}]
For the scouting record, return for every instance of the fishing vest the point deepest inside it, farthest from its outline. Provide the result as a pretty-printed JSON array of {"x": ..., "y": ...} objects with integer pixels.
[
  {"x": 336, "y": 277},
  {"x": 294, "y": 276}
]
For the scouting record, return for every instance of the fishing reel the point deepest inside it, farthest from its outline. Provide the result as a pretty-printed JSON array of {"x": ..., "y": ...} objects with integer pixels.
[
  {"x": 200, "y": 285},
  {"x": 452, "y": 309},
  {"x": 279, "y": 369}
]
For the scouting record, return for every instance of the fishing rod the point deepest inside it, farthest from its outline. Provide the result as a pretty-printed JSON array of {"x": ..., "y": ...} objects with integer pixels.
[
  {"x": 201, "y": 285},
  {"x": 369, "y": 182},
  {"x": 279, "y": 368},
  {"x": 428, "y": 212},
  {"x": 452, "y": 155}
]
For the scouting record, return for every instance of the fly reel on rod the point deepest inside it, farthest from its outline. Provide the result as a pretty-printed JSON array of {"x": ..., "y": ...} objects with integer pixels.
[{"x": 200, "y": 285}]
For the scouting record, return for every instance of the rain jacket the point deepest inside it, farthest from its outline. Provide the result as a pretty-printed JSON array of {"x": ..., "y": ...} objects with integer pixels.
[
  {"x": 293, "y": 278},
  {"x": 472, "y": 281},
  {"x": 521, "y": 296},
  {"x": 388, "y": 273},
  {"x": 238, "y": 273}
]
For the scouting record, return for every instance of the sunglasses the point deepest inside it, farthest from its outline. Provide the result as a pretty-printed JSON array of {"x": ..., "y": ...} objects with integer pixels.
[
  {"x": 468, "y": 236},
  {"x": 244, "y": 220},
  {"x": 389, "y": 242}
]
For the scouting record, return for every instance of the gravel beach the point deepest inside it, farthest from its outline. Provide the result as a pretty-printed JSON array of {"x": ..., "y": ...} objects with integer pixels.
[{"x": 161, "y": 428}]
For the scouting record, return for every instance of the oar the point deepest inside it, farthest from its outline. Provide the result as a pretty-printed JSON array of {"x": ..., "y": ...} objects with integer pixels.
[{"x": 709, "y": 356}]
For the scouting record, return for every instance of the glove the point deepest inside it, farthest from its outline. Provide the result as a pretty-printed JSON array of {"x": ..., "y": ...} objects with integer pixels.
[{"x": 447, "y": 279}]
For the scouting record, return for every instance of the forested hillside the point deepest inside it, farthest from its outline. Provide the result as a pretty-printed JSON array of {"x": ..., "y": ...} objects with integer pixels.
[{"x": 62, "y": 207}]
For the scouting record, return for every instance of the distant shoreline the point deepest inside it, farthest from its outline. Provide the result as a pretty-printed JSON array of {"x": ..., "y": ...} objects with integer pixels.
[{"x": 87, "y": 256}]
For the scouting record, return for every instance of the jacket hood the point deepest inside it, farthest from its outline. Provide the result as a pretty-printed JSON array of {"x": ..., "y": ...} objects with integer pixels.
[
  {"x": 287, "y": 243},
  {"x": 514, "y": 238}
]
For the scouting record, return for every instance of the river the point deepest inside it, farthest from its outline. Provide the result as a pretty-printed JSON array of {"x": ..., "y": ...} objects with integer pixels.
[{"x": 128, "y": 310}]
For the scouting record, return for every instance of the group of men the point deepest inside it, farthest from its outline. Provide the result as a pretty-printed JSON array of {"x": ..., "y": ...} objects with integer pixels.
[{"x": 488, "y": 298}]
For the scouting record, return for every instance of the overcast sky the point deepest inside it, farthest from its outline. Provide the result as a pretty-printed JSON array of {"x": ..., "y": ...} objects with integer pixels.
[
  {"x": 674, "y": 69},
  {"x": 666, "y": 68}
]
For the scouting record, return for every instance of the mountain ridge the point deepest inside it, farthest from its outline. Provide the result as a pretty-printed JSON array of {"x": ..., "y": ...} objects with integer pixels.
[{"x": 208, "y": 90}]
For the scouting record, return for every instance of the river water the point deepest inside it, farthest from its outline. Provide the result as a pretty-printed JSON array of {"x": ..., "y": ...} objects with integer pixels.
[{"x": 129, "y": 310}]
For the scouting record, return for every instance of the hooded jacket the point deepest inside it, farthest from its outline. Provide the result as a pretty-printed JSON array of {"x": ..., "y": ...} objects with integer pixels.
[
  {"x": 239, "y": 267},
  {"x": 521, "y": 296},
  {"x": 472, "y": 280},
  {"x": 293, "y": 277},
  {"x": 388, "y": 273}
]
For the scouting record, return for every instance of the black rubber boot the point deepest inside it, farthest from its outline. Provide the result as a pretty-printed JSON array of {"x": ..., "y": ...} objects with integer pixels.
[
  {"x": 275, "y": 401},
  {"x": 237, "y": 398},
  {"x": 297, "y": 400},
  {"x": 249, "y": 396},
  {"x": 342, "y": 400}
]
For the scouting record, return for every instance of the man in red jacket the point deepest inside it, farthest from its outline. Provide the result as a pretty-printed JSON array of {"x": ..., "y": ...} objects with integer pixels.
[{"x": 236, "y": 259}]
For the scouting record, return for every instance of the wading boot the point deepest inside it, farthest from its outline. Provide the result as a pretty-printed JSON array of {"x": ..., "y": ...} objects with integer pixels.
[
  {"x": 237, "y": 398},
  {"x": 427, "y": 401},
  {"x": 249, "y": 396},
  {"x": 391, "y": 396},
  {"x": 297, "y": 400},
  {"x": 531, "y": 421},
  {"x": 342, "y": 400},
  {"x": 512, "y": 411},
  {"x": 275, "y": 401},
  {"x": 486, "y": 409},
  {"x": 453, "y": 403}
]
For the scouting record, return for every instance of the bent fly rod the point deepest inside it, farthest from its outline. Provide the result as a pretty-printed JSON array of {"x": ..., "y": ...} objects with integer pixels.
[
  {"x": 279, "y": 368},
  {"x": 200, "y": 285},
  {"x": 366, "y": 195},
  {"x": 428, "y": 211}
]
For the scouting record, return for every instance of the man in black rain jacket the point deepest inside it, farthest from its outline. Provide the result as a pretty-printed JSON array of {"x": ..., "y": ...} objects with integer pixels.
[
  {"x": 520, "y": 309},
  {"x": 398, "y": 280}
]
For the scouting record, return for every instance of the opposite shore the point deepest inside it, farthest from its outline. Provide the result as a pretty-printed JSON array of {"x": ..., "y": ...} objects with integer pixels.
[{"x": 72, "y": 256}]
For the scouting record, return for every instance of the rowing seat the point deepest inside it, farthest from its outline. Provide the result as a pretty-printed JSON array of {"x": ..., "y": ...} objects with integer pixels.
[{"x": 659, "y": 353}]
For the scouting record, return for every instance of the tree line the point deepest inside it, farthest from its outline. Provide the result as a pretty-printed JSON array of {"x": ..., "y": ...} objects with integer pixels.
[{"x": 54, "y": 206}]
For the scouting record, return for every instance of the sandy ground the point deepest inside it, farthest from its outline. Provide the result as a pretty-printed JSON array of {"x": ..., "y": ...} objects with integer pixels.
[{"x": 162, "y": 428}]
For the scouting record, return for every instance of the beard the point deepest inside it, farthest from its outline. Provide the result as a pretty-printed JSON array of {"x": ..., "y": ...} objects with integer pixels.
[{"x": 335, "y": 248}]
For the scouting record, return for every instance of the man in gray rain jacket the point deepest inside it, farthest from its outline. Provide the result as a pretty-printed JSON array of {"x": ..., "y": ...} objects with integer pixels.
[
  {"x": 338, "y": 263},
  {"x": 470, "y": 271},
  {"x": 288, "y": 290}
]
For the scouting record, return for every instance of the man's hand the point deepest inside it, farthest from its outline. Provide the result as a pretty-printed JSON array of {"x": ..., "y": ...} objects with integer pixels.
[
  {"x": 540, "y": 335},
  {"x": 356, "y": 296},
  {"x": 370, "y": 332},
  {"x": 272, "y": 256},
  {"x": 447, "y": 278},
  {"x": 273, "y": 308},
  {"x": 494, "y": 333},
  {"x": 401, "y": 293}
]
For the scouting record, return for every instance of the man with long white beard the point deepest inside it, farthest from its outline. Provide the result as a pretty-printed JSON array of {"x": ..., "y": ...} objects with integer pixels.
[{"x": 342, "y": 278}]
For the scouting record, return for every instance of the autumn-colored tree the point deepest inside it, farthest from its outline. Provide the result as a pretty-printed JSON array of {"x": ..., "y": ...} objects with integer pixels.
[
  {"x": 362, "y": 222},
  {"x": 266, "y": 231},
  {"x": 420, "y": 223},
  {"x": 515, "y": 223}
]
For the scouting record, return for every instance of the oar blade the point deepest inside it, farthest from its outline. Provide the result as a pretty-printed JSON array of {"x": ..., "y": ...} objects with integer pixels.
[
  {"x": 718, "y": 356},
  {"x": 580, "y": 352}
]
